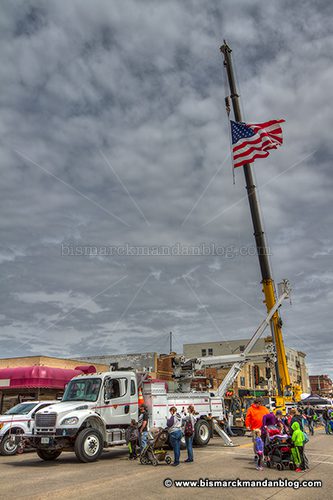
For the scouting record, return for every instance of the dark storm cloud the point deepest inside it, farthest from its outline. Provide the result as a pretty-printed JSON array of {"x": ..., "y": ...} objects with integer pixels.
[{"x": 113, "y": 131}]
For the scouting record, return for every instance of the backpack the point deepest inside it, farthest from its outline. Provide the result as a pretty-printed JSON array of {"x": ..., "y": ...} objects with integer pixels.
[
  {"x": 306, "y": 437},
  {"x": 188, "y": 430}
]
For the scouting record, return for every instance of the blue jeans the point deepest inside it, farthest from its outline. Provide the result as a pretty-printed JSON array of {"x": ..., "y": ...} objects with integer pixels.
[
  {"x": 310, "y": 425},
  {"x": 189, "y": 447},
  {"x": 143, "y": 439},
  {"x": 175, "y": 438}
]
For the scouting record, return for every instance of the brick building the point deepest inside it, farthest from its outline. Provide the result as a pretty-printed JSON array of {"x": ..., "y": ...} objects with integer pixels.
[
  {"x": 321, "y": 385},
  {"x": 245, "y": 383}
]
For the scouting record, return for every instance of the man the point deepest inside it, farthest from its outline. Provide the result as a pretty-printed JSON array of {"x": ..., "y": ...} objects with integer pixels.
[
  {"x": 326, "y": 420},
  {"x": 143, "y": 425},
  {"x": 254, "y": 416},
  {"x": 295, "y": 417},
  {"x": 309, "y": 414}
]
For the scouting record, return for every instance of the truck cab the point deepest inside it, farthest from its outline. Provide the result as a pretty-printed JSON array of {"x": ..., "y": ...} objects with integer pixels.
[{"x": 94, "y": 413}]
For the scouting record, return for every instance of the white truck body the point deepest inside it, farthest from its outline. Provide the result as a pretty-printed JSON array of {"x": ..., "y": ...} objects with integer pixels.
[{"x": 18, "y": 420}]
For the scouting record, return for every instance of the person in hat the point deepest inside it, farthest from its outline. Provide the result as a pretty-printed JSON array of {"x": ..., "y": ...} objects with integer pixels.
[
  {"x": 131, "y": 436},
  {"x": 143, "y": 422}
]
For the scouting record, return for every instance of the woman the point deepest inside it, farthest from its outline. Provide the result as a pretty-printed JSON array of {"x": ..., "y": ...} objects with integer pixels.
[
  {"x": 174, "y": 425},
  {"x": 268, "y": 421},
  {"x": 190, "y": 421},
  {"x": 280, "y": 422}
]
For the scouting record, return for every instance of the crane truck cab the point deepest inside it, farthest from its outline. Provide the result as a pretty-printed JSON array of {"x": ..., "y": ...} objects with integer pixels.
[{"x": 94, "y": 413}]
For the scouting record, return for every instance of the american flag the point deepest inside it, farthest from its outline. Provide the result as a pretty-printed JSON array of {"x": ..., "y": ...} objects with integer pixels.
[{"x": 253, "y": 140}]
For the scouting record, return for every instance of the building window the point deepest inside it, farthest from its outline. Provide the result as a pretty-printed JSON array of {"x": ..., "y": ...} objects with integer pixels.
[
  {"x": 210, "y": 352},
  {"x": 242, "y": 381},
  {"x": 203, "y": 352}
]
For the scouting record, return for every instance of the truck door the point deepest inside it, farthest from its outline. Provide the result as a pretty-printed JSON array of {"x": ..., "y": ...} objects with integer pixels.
[
  {"x": 134, "y": 399},
  {"x": 116, "y": 409}
]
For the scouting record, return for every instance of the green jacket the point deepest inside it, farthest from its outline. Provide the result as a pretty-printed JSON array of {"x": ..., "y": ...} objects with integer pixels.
[{"x": 298, "y": 436}]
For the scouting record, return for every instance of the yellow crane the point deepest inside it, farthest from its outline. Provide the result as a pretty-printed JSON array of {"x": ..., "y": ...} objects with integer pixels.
[{"x": 285, "y": 390}]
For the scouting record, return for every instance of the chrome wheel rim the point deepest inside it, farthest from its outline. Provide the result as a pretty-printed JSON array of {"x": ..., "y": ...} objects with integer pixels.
[
  {"x": 10, "y": 446},
  {"x": 204, "y": 432},
  {"x": 91, "y": 445}
]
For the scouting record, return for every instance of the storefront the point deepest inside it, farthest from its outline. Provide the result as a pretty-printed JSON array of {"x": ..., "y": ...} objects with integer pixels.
[{"x": 24, "y": 383}]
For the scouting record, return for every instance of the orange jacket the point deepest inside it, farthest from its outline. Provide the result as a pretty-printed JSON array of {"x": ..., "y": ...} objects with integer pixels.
[{"x": 254, "y": 417}]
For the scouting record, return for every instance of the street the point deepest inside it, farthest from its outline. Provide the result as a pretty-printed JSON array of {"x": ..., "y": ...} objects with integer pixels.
[{"x": 114, "y": 476}]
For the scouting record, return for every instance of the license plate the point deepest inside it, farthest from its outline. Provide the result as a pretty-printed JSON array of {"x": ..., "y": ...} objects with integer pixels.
[{"x": 45, "y": 440}]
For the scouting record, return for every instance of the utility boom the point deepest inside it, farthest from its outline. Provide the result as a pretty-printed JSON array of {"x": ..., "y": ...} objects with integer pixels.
[
  {"x": 184, "y": 370},
  {"x": 236, "y": 367}
]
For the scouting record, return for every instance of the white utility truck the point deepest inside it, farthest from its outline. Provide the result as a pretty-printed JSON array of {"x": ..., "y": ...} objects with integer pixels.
[{"x": 97, "y": 408}]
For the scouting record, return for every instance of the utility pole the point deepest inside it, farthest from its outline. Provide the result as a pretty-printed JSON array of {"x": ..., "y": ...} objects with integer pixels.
[
  {"x": 170, "y": 341},
  {"x": 282, "y": 373}
]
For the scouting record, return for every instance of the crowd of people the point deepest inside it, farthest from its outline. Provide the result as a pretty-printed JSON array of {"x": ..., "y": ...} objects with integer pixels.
[
  {"x": 178, "y": 425},
  {"x": 265, "y": 425}
]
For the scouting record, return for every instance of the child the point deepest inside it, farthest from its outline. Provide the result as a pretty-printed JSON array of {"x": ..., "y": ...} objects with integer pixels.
[
  {"x": 259, "y": 448},
  {"x": 131, "y": 436},
  {"x": 297, "y": 451}
]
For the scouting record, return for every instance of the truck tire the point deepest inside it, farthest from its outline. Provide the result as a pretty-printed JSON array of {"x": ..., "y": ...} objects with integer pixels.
[
  {"x": 88, "y": 445},
  {"x": 201, "y": 433},
  {"x": 48, "y": 455},
  {"x": 7, "y": 446}
]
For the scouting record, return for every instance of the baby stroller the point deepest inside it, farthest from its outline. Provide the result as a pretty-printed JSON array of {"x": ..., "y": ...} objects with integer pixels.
[
  {"x": 155, "y": 450},
  {"x": 278, "y": 452}
]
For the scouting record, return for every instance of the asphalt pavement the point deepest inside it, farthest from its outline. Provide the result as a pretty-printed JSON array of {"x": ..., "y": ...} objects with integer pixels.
[{"x": 114, "y": 476}]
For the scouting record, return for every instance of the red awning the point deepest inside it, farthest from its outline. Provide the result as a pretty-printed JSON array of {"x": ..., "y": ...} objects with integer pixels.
[{"x": 27, "y": 377}]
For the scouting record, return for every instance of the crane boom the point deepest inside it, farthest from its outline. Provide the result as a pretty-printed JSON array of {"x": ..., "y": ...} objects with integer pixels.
[{"x": 282, "y": 373}]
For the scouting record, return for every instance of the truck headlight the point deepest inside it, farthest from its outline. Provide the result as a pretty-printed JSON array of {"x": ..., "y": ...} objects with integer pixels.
[
  {"x": 70, "y": 421},
  {"x": 1, "y": 425}
]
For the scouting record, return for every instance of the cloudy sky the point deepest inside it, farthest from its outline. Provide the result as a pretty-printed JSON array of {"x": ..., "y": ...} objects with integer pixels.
[{"x": 113, "y": 133}]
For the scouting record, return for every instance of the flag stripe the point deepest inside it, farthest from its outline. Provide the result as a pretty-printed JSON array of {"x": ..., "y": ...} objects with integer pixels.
[
  {"x": 251, "y": 158},
  {"x": 258, "y": 140},
  {"x": 264, "y": 146},
  {"x": 266, "y": 124}
]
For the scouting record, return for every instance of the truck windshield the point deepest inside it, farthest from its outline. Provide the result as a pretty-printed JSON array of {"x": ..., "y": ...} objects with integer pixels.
[
  {"x": 21, "y": 409},
  {"x": 82, "y": 390}
]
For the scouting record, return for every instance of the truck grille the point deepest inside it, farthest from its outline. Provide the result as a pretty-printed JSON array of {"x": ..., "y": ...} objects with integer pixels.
[{"x": 46, "y": 420}]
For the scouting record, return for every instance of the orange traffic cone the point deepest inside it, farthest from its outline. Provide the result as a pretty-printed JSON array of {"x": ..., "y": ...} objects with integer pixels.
[{"x": 141, "y": 401}]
